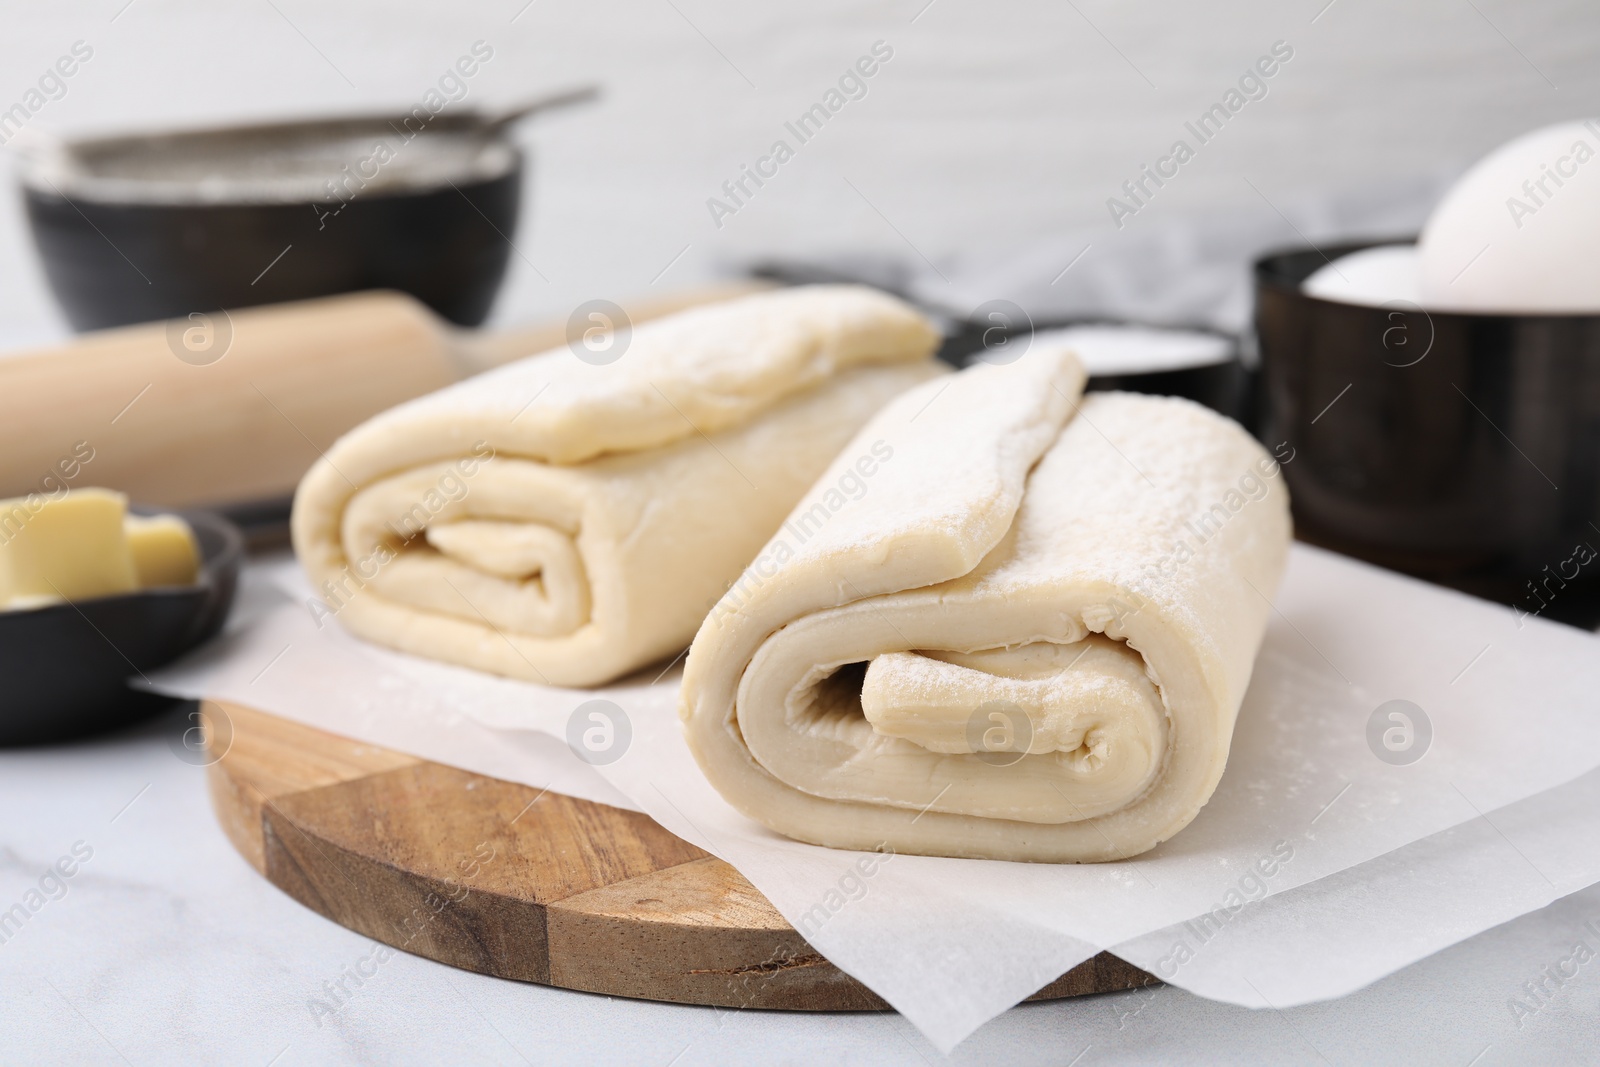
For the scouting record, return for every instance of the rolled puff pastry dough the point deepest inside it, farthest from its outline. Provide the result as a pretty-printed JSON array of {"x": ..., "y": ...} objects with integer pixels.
[
  {"x": 1028, "y": 639},
  {"x": 566, "y": 523}
]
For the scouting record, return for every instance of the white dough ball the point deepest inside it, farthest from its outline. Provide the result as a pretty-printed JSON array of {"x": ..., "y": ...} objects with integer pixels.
[{"x": 1521, "y": 229}]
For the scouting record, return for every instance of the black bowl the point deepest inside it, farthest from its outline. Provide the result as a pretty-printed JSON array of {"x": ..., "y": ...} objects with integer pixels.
[
  {"x": 1462, "y": 448},
  {"x": 64, "y": 668},
  {"x": 1225, "y": 386},
  {"x": 132, "y": 229},
  {"x": 1222, "y": 386}
]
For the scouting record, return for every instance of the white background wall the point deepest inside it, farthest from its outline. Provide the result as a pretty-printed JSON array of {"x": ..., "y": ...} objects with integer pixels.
[{"x": 995, "y": 126}]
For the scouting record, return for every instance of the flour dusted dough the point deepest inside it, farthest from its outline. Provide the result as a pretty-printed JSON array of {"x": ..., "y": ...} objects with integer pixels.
[
  {"x": 1028, "y": 639},
  {"x": 566, "y": 523}
]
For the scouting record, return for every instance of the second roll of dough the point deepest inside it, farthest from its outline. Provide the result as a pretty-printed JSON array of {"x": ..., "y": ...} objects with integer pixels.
[
  {"x": 565, "y": 522},
  {"x": 1028, "y": 639}
]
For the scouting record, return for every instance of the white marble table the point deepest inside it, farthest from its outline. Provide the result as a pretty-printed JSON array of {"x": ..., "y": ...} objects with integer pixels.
[{"x": 166, "y": 947}]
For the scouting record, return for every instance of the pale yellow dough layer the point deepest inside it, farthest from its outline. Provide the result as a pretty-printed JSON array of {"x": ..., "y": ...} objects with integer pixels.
[
  {"x": 567, "y": 523},
  {"x": 1027, "y": 640}
]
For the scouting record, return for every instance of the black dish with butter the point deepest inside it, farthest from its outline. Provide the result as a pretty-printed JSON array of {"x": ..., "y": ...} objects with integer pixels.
[{"x": 64, "y": 668}]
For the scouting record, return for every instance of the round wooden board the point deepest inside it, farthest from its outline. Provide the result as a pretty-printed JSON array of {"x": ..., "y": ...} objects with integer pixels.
[{"x": 506, "y": 880}]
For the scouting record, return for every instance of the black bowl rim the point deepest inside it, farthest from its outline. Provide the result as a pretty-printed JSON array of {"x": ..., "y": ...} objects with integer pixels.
[
  {"x": 32, "y": 193},
  {"x": 1046, "y": 325},
  {"x": 453, "y": 121},
  {"x": 1269, "y": 273},
  {"x": 1235, "y": 351}
]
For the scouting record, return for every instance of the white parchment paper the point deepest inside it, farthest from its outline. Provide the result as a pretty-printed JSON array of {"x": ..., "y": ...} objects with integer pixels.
[
  {"x": 1345, "y": 931},
  {"x": 1278, "y": 865}
]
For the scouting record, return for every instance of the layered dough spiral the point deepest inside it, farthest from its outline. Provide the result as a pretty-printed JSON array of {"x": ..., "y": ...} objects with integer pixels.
[
  {"x": 1028, "y": 639},
  {"x": 565, "y": 522}
]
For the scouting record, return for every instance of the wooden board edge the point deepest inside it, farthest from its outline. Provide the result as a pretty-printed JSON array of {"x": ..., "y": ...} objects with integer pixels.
[{"x": 764, "y": 965}]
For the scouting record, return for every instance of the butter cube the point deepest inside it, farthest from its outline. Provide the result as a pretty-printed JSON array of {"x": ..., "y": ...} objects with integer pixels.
[
  {"x": 164, "y": 550},
  {"x": 71, "y": 547}
]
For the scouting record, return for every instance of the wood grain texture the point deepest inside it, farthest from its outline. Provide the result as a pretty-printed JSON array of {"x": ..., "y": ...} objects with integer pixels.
[
  {"x": 520, "y": 883},
  {"x": 245, "y": 420},
  {"x": 283, "y": 383}
]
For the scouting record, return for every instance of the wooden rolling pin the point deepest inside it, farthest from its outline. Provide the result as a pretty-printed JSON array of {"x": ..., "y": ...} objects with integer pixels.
[{"x": 167, "y": 422}]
